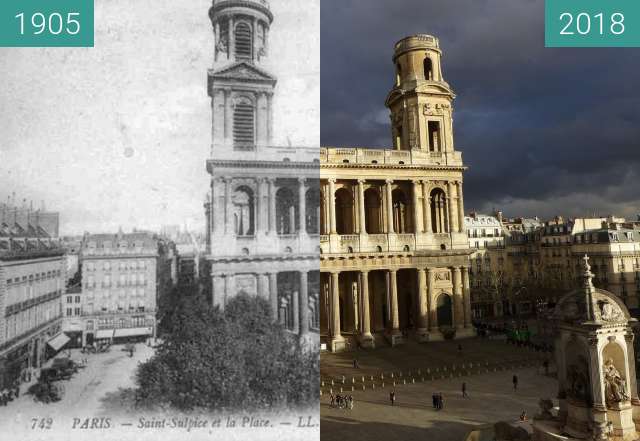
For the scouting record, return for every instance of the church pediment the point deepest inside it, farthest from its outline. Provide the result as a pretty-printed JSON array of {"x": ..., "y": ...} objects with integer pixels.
[{"x": 243, "y": 72}]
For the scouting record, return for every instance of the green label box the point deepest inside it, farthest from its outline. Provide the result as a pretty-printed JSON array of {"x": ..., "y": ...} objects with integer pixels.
[
  {"x": 46, "y": 23},
  {"x": 592, "y": 23}
]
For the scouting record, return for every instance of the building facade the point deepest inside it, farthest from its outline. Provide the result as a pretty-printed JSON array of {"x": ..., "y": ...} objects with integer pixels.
[
  {"x": 263, "y": 207},
  {"x": 121, "y": 275},
  {"x": 32, "y": 282},
  {"x": 394, "y": 251},
  {"x": 540, "y": 261}
]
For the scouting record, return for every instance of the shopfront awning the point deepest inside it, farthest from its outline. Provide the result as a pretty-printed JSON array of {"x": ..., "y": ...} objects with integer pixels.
[
  {"x": 58, "y": 341},
  {"x": 133, "y": 332},
  {"x": 104, "y": 333}
]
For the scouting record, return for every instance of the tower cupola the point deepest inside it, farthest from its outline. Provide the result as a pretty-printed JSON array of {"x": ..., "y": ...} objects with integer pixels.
[
  {"x": 420, "y": 101},
  {"x": 241, "y": 29}
]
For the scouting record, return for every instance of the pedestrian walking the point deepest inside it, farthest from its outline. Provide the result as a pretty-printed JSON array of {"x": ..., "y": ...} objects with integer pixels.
[
  {"x": 440, "y": 401},
  {"x": 464, "y": 390},
  {"x": 355, "y": 363},
  {"x": 332, "y": 400},
  {"x": 434, "y": 399},
  {"x": 515, "y": 382},
  {"x": 392, "y": 397},
  {"x": 350, "y": 402}
]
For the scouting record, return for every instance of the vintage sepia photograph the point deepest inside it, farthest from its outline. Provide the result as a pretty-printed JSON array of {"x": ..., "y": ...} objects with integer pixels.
[{"x": 159, "y": 226}]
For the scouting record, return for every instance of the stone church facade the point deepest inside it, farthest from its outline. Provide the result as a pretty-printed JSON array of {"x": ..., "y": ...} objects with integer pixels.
[
  {"x": 394, "y": 250},
  {"x": 263, "y": 207}
]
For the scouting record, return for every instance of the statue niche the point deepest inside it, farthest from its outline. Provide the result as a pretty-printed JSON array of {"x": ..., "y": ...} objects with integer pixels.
[
  {"x": 615, "y": 387},
  {"x": 578, "y": 386}
]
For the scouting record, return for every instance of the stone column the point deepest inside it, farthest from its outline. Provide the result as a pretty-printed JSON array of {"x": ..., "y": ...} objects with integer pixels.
[
  {"x": 389, "y": 205},
  {"x": 269, "y": 117},
  {"x": 228, "y": 118},
  {"x": 254, "y": 52},
  {"x": 228, "y": 221},
  {"x": 631, "y": 357},
  {"x": 361, "y": 207},
  {"x": 332, "y": 206},
  {"x": 295, "y": 308},
  {"x": 417, "y": 209},
  {"x": 264, "y": 286},
  {"x": 426, "y": 204},
  {"x": 273, "y": 294},
  {"x": 466, "y": 293},
  {"x": 272, "y": 206},
  {"x": 423, "y": 319},
  {"x": 366, "y": 314},
  {"x": 599, "y": 409},
  {"x": 431, "y": 297},
  {"x": 460, "y": 209},
  {"x": 216, "y": 33},
  {"x": 304, "y": 304},
  {"x": 257, "y": 209},
  {"x": 302, "y": 203},
  {"x": 451, "y": 206},
  {"x": 458, "y": 305},
  {"x": 232, "y": 38},
  {"x": 335, "y": 307},
  {"x": 393, "y": 296}
]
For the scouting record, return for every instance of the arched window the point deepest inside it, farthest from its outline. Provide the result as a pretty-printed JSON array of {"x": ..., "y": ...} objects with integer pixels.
[
  {"x": 344, "y": 212},
  {"x": 312, "y": 215},
  {"x": 287, "y": 211},
  {"x": 401, "y": 218},
  {"x": 243, "y": 211},
  {"x": 439, "y": 215},
  {"x": 244, "y": 125},
  {"x": 428, "y": 69},
  {"x": 373, "y": 212},
  {"x": 243, "y": 41}
]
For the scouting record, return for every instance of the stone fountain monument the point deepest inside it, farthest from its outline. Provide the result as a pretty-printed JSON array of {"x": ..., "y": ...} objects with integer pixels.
[{"x": 595, "y": 358}]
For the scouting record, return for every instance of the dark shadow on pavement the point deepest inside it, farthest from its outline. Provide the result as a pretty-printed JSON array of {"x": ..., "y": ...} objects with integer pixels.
[{"x": 339, "y": 429}]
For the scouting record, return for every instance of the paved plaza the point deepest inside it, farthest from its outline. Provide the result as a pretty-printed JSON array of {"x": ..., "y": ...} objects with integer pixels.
[
  {"x": 412, "y": 356},
  {"x": 492, "y": 399}
]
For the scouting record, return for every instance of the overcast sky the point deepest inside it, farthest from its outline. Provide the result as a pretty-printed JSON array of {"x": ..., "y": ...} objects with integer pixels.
[
  {"x": 118, "y": 135},
  {"x": 543, "y": 131}
]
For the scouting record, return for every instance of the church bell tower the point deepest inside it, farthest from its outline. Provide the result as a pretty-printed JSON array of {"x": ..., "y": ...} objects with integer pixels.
[
  {"x": 241, "y": 90},
  {"x": 421, "y": 100}
]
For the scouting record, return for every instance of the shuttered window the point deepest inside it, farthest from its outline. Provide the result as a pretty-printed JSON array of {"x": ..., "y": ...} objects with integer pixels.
[
  {"x": 243, "y": 126},
  {"x": 243, "y": 41}
]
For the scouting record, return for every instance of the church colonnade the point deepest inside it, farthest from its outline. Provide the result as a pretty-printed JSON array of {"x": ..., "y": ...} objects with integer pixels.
[
  {"x": 264, "y": 206},
  {"x": 367, "y": 301},
  {"x": 390, "y": 206},
  {"x": 293, "y": 296}
]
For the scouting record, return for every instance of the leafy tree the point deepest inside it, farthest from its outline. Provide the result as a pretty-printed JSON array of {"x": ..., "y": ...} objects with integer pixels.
[{"x": 227, "y": 360}]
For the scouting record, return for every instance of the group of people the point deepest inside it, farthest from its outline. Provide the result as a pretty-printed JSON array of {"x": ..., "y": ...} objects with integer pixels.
[
  {"x": 7, "y": 395},
  {"x": 438, "y": 401},
  {"x": 341, "y": 401}
]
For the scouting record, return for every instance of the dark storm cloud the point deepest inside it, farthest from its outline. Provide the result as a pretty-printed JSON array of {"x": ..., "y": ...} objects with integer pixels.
[{"x": 538, "y": 127}]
